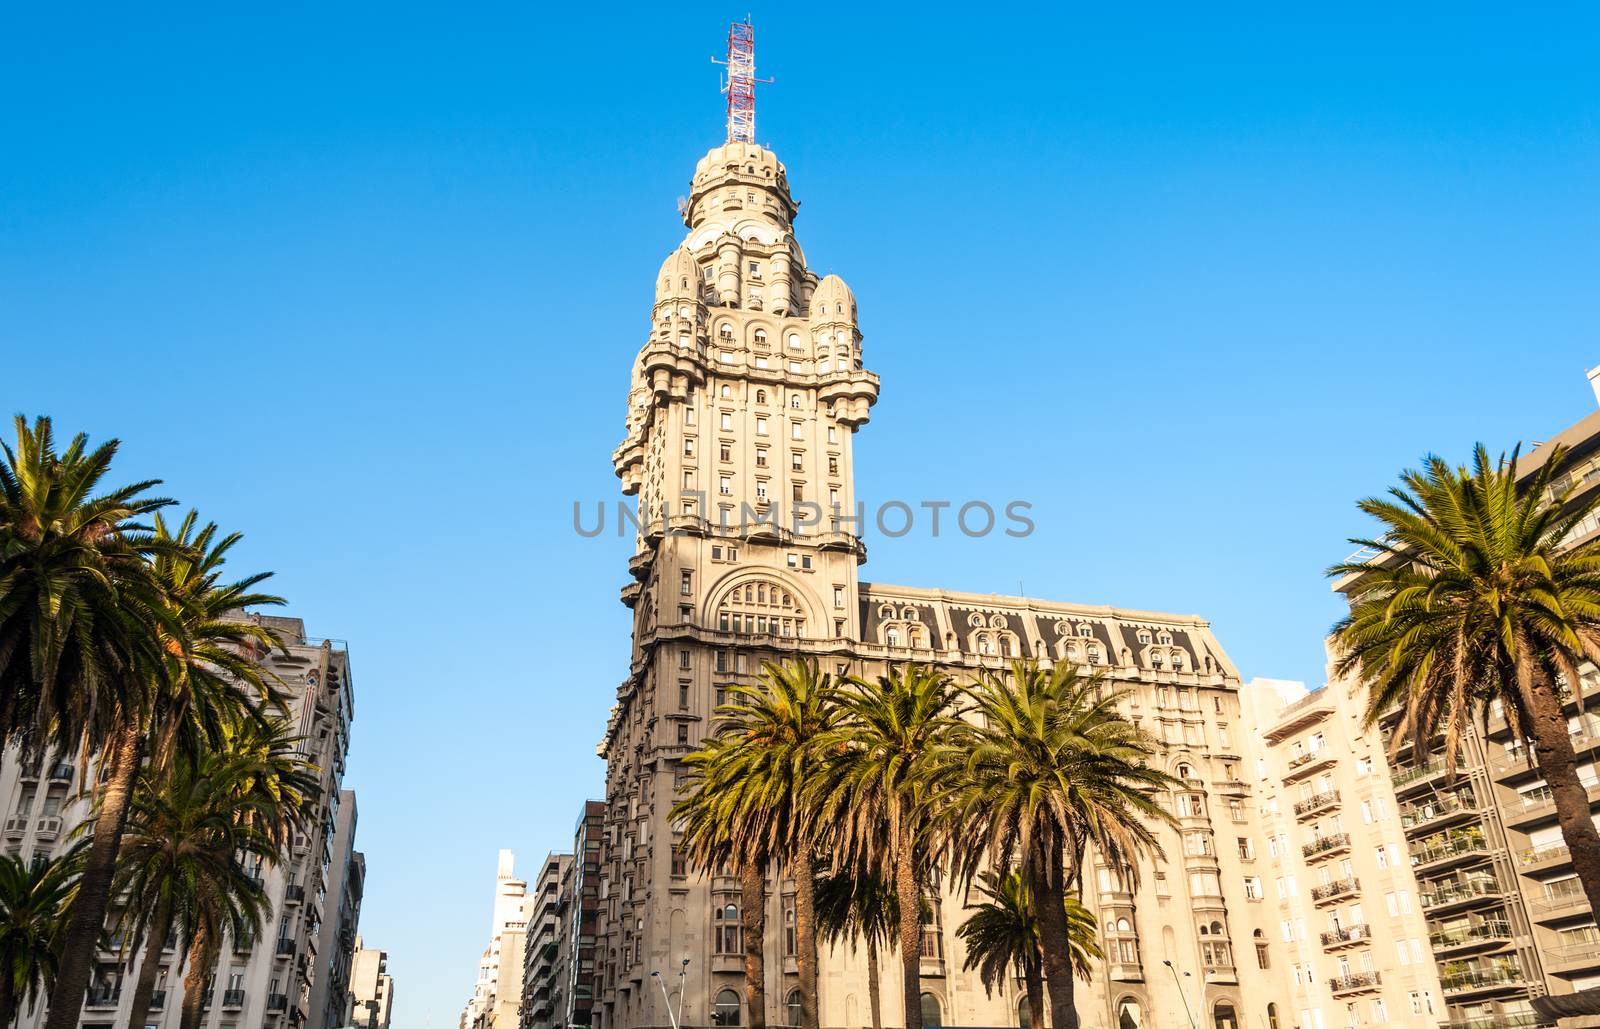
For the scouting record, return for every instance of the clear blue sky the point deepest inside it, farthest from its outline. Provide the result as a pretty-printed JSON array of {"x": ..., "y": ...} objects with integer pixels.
[{"x": 364, "y": 282}]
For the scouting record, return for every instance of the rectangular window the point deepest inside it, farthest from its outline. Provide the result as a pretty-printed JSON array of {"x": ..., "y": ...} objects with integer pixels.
[
  {"x": 761, "y": 425},
  {"x": 680, "y": 864},
  {"x": 833, "y": 466},
  {"x": 798, "y": 492},
  {"x": 683, "y": 696},
  {"x": 686, "y": 582},
  {"x": 838, "y": 596},
  {"x": 725, "y": 485},
  {"x": 683, "y": 734},
  {"x": 761, "y": 457},
  {"x": 796, "y": 431},
  {"x": 688, "y": 446},
  {"x": 683, "y": 658},
  {"x": 688, "y": 416},
  {"x": 722, "y": 662},
  {"x": 796, "y": 460}
]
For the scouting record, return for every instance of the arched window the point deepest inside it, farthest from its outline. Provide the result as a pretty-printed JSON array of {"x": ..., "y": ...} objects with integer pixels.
[
  {"x": 1225, "y": 1018},
  {"x": 931, "y": 1013},
  {"x": 761, "y": 608},
  {"x": 792, "y": 1007},
  {"x": 1129, "y": 1016},
  {"x": 1123, "y": 925},
  {"x": 1085, "y": 630},
  {"x": 761, "y": 396},
  {"x": 761, "y": 337},
  {"x": 1024, "y": 1015},
  {"x": 1164, "y": 638},
  {"x": 1144, "y": 635},
  {"x": 726, "y": 390},
  {"x": 726, "y": 1011},
  {"x": 1272, "y": 1016},
  {"x": 725, "y": 331},
  {"x": 726, "y": 932},
  {"x": 794, "y": 341},
  {"x": 1185, "y": 771}
]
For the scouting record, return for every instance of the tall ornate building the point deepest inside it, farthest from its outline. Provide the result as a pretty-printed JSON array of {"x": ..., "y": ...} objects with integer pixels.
[{"x": 744, "y": 405}]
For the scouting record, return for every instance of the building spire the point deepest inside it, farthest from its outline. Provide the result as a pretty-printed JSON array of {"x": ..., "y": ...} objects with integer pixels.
[{"x": 741, "y": 84}]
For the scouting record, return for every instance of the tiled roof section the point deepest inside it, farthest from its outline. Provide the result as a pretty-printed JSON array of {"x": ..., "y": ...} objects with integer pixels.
[{"x": 1043, "y": 623}]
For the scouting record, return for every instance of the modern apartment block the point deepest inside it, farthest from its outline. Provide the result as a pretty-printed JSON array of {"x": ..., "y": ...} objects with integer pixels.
[
  {"x": 1350, "y": 931},
  {"x": 267, "y": 982},
  {"x": 549, "y": 945},
  {"x": 1507, "y": 919},
  {"x": 497, "y": 994},
  {"x": 371, "y": 996}
]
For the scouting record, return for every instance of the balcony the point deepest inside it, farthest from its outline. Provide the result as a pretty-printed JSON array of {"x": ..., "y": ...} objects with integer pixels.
[
  {"x": 1309, "y": 763},
  {"x": 1446, "y": 807},
  {"x": 233, "y": 998},
  {"x": 294, "y": 893},
  {"x": 1451, "y": 893},
  {"x": 158, "y": 999},
  {"x": 1339, "y": 889},
  {"x": 1439, "y": 852},
  {"x": 1416, "y": 775},
  {"x": 1506, "y": 1020},
  {"x": 1554, "y": 907},
  {"x": 61, "y": 771},
  {"x": 1327, "y": 800},
  {"x": 1325, "y": 846},
  {"x": 1491, "y": 933},
  {"x": 48, "y": 828},
  {"x": 285, "y": 949},
  {"x": 1481, "y": 980},
  {"x": 1348, "y": 936},
  {"x": 104, "y": 996},
  {"x": 1354, "y": 982},
  {"x": 16, "y": 827},
  {"x": 277, "y": 1002},
  {"x": 1549, "y": 854}
]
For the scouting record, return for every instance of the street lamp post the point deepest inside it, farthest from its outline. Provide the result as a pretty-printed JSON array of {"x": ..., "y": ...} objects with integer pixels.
[
  {"x": 1182, "y": 993},
  {"x": 668, "y": 1000},
  {"x": 683, "y": 970}
]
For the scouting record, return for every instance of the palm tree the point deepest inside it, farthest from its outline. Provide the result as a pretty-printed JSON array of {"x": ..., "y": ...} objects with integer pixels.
[
  {"x": 1002, "y": 938},
  {"x": 1049, "y": 768},
  {"x": 857, "y": 904},
  {"x": 274, "y": 791},
  {"x": 873, "y": 794},
  {"x": 773, "y": 730},
  {"x": 34, "y": 899},
  {"x": 189, "y": 829},
  {"x": 710, "y": 814},
  {"x": 1474, "y": 599},
  {"x": 80, "y": 616}
]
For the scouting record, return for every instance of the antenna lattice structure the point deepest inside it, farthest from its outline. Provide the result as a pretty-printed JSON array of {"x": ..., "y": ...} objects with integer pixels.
[{"x": 741, "y": 85}]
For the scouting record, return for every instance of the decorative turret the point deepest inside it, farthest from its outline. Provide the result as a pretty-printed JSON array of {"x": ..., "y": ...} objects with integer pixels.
[
  {"x": 850, "y": 389},
  {"x": 679, "y": 279}
]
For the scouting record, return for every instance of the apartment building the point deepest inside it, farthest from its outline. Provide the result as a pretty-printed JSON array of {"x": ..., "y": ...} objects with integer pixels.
[
  {"x": 1507, "y": 919},
  {"x": 497, "y": 994},
  {"x": 336, "y": 945},
  {"x": 1350, "y": 932},
  {"x": 549, "y": 945},
  {"x": 267, "y": 982},
  {"x": 371, "y": 996}
]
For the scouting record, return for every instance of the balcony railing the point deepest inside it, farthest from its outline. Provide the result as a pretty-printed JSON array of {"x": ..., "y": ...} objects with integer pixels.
[
  {"x": 158, "y": 999},
  {"x": 1491, "y": 930},
  {"x": 1449, "y": 893},
  {"x": 285, "y": 948},
  {"x": 1354, "y": 981},
  {"x": 1441, "y": 849},
  {"x": 233, "y": 998},
  {"x": 294, "y": 893},
  {"x": 1304, "y": 759},
  {"x": 1322, "y": 801},
  {"x": 1337, "y": 888},
  {"x": 1508, "y": 1020},
  {"x": 1406, "y": 776},
  {"x": 1436, "y": 807},
  {"x": 1481, "y": 978},
  {"x": 1347, "y": 934},
  {"x": 1326, "y": 845},
  {"x": 104, "y": 996},
  {"x": 277, "y": 1001}
]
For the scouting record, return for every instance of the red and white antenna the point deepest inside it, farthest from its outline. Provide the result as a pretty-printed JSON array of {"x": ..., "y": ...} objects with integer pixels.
[{"x": 741, "y": 84}]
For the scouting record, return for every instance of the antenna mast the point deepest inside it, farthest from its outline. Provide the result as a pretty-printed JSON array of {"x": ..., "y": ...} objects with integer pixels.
[{"x": 741, "y": 84}]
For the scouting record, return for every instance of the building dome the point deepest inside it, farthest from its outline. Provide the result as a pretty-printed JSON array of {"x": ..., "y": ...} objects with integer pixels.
[
  {"x": 680, "y": 276},
  {"x": 832, "y": 301}
]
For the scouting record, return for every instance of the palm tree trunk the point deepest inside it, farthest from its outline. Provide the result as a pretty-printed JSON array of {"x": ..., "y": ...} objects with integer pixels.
[
  {"x": 202, "y": 959},
  {"x": 874, "y": 1000},
  {"x": 1047, "y": 883},
  {"x": 1033, "y": 977},
  {"x": 150, "y": 967},
  {"x": 753, "y": 920},
  {"x": 1552, "y": 746},
  {"x": 9, "y": 1001},
  {"x": 94, "y": 888},
  {"x": 909, "y": 893},
  {"x": 805, "y": 932}
]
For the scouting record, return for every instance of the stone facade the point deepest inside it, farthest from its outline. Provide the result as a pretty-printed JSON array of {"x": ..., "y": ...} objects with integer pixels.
[{"x": 742, "y": 414}]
